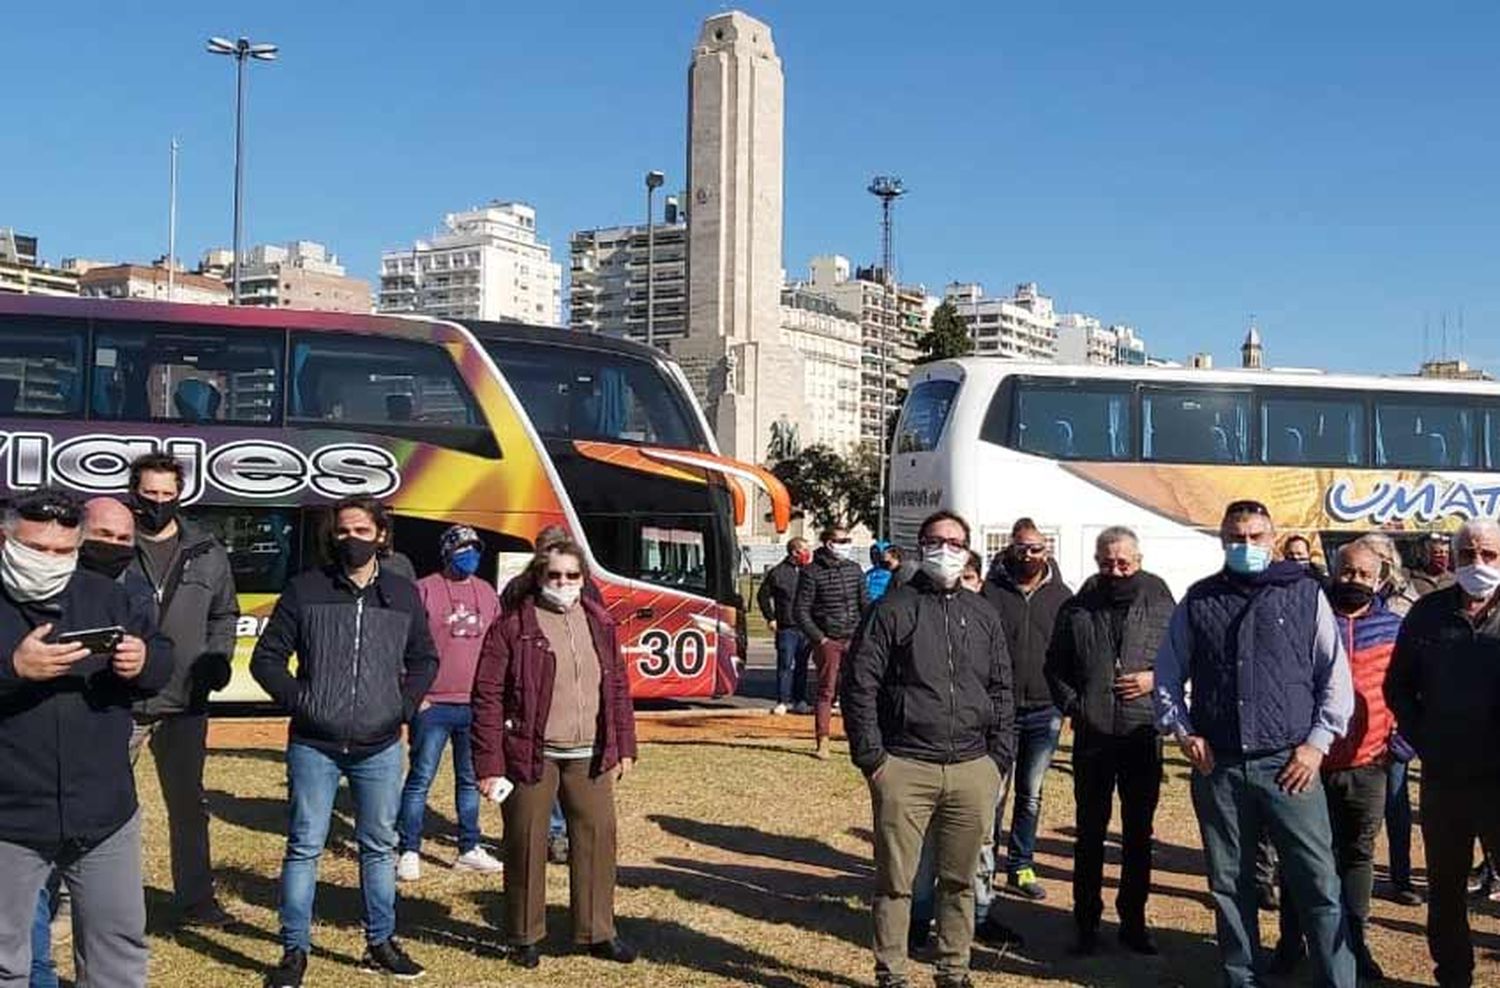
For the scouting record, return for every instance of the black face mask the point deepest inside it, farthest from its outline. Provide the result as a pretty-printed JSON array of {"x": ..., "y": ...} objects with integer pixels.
[
  {"x": 353, "y": 553},
  {"x": 153, "y": 516},
  {"x": 1120, "y": 589},
  {"x": 105, "y": 558},
  {"x": 1350, "y": 598}
]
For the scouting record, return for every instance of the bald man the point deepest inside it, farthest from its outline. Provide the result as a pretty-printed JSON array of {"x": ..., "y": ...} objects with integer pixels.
[{"x": 108, "y": 537}]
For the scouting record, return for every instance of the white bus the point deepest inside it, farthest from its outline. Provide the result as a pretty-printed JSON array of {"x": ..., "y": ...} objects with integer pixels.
[{"x": 1164, "y": 450}]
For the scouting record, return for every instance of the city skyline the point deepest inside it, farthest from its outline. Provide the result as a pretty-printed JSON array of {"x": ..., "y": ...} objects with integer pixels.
[{"x": 1174, "y": 173}]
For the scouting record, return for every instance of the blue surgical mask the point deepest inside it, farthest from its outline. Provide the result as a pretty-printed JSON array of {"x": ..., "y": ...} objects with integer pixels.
[
  {"x": 1246, "y": 557},
  {"x": 465, "y": 562}
]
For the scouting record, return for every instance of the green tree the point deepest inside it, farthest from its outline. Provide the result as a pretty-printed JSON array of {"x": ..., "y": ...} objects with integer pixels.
[
  {"x": 862, "y": 490},
  {"x": 816, "y": 478},
  {"x": 947, "y": 336}
]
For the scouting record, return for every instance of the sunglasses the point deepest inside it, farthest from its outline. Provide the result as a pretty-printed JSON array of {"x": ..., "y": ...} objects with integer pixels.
[
  {"x": 1247, "y": 507},
  {"x": 1029, "y": 548},
  {"x": 569, "y": 577},
  {"x": 66, "y": 515},
  {"x": 843, "y": 541}
]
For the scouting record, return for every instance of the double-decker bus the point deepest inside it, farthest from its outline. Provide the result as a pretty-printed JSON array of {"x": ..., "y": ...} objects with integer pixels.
[
  {"x": 275, "y": 414},
  {"x": 1164, "y": 450}
]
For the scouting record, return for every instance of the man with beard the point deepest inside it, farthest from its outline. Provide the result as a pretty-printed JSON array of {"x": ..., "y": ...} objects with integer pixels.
[{"x": 1099, "y": 667}]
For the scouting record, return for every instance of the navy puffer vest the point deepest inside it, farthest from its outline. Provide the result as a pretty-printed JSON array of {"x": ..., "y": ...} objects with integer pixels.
[{"x": 1252, "y": 661}]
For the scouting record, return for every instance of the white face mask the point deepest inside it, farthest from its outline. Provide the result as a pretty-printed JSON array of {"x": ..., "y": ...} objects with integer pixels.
[
  {"x": 944, "y": 564},
  {"x": 844, "y": 550},
  {"x": 563, "y": 597},
  {"x": 31, "y": 575},
  {"x": 1478, "y": 580}
]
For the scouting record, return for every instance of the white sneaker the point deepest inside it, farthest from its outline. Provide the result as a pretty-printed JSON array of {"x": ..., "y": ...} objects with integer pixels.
[
  {"x": 478, "y": 860},
  {"x": 409, "y": 866},
  {"x": 779, "y": 709}
]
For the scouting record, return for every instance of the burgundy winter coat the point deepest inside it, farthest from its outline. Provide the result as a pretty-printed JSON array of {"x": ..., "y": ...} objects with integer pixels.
[{"x": 513, "y": 696}]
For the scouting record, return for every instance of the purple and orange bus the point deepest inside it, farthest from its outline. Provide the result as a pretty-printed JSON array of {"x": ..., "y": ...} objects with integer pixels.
[{"x": 506, "y": 428}]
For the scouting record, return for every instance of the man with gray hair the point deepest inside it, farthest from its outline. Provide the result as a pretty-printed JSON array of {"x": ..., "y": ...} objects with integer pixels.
[
  {"x": 1444, "y": 687},
  {"x": 1099, "y": 667}
]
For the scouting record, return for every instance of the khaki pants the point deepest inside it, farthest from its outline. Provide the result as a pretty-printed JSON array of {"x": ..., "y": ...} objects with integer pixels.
[
  {"x": 588, "y": 805},
  {"x": 179, "y": 746},
  {"x": 959, "y": 803}
]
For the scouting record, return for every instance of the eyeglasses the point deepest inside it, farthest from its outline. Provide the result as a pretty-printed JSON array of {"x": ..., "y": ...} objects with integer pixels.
[
  {"x": 571, "y": 577},
  {"x": 843, "y": 541},
  {"x": 1029, "y": 548},
  {"x": 1247, "y": 507},
  {"x": 936, "y": 542},
  {"x": 64, "y": 513}
]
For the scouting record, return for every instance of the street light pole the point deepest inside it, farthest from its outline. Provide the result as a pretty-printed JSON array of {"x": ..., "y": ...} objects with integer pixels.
[
  {"x": 240, "y": 50},
  {"x": 172, "y": 228},
  {"x": 654, "y": 181}
]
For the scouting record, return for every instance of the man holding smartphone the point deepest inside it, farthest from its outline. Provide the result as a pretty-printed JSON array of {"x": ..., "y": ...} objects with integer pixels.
[{"x": 67, "y": 804}]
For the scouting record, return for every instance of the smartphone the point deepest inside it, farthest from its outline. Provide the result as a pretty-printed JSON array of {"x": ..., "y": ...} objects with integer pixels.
[{"x": 99, "y": 641}]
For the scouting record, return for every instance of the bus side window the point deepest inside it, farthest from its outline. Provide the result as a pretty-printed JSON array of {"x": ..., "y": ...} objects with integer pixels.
[
  {"x": 41, "y": 366},
  {"x": 263, "y": 544},
  {"x": 147, "y": 372}
]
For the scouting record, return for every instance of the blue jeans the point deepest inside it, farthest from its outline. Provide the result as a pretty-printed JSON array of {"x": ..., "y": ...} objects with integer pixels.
[
  {"x": 312, "y": 781},
  {"x": 792, "y": 652},
  {"x": 1233, "y": 803},
  {"x": 1037, "y": 729},
  {"x": 1398, "y": 822},
  {"x": 557, "y": 824},
  {"x": 431, "y": 730},
  {"x": 43, "y": 973}
]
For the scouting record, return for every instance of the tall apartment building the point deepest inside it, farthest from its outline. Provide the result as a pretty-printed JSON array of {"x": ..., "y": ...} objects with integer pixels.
[
  {"x": 608, "y": 290},
  {"x": 831, "y": 343},
  {"x": 1021, "y": 327},
  {"x": 487, "y": 263},
  {"x": 22, "y": 273},
  {"x": 299, "y": 275},
  {"x": 1082, "y": 339},
  {"x": 151, "y": 283}
]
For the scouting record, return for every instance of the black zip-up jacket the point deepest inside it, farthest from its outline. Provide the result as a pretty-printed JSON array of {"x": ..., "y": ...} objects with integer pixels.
[
  {"x": 831, "y": 596},
  {"x": 1083, "y": 660},
  {"x": 197, "y": 609},
  {"x": 1444, "y": 688},
  {"x": 929, "y": 679},
  {"x": 778, "y": 593},
  {"x": 64, "y": 744},
  {"x": 365, "y": 659},
  {"x": 1029, "y": 620}
]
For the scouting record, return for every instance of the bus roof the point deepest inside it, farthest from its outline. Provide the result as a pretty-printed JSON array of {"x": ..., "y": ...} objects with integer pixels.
[
  {"x": 990, "y": 371},
  {"x": 559, "y": 335}
]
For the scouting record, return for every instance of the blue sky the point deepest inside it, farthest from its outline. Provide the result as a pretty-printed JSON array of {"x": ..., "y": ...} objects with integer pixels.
[{"x": 1330, "y": 167}]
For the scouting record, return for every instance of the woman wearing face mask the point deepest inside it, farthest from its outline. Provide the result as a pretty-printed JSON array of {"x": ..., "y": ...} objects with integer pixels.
[
  {"x": 552, "y": 714},
  {"x": 460, "y": 609}
]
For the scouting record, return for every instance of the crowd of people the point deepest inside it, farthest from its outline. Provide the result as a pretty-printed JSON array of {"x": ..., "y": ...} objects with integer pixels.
[{"x": 1299, "y": 695}]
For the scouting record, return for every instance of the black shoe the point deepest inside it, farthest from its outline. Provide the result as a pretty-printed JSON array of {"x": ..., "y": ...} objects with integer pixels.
[
  {"x": 1086, "y": 945},
  {"x": 288, "y": 974},
  {"x": 1286, "y": 959},
  {"x": 1269, "y": 901},
  {"x": 616, "y": 950},
  {"x": 918, "y": 944},
  {"x": 389, "y": 958},
  {"x": 997, "y": 934},
  {"x": 1406, "y": 896},
  {"x": 957, "y": 981},
  {"x": 525, "y": 955},
  {"x": 1368, "y": 968},
  {"x": 208, "y": 914},
  {"x": 1139, "y": 940},
  {"x": 557, "y": 849}
]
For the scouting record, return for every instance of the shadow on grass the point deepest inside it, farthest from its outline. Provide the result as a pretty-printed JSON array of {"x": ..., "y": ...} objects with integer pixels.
[{"x": 757, "y": 843}]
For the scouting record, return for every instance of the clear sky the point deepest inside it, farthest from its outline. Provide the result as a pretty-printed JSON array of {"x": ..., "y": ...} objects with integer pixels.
[{"x": 1329, "y": 167}]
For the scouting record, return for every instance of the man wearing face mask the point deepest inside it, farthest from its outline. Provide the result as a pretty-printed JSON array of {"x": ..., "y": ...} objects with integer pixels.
[
  {"x": 1271, "y": 692},
  {"x": 776, "y": 594},
  {"x": 365, "y": 660},
  {"x": 189, "y": 577},
  {"x": 1354, "y": 771},
  {"x": 831, "y": 596},
  {"x": 1436, "y": 572},
  {"x": 1099, "y": 667},
  {"x": 936, "y": 654},
  {"x": 1444, "y": 687},
  {"x": 67, "y": 796},
  {"x": 460, "y": 609},
  {"x": 1029, "y": 593}
]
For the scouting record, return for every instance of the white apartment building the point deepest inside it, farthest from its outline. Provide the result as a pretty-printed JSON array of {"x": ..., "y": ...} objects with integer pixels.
[
  {"x": 830, "y": 341},
  {"x": 1021, "y": 327},
  {"x": 608, "y": 290},
  {"x": 302, "y": 274},
  {"x": 21, "y": 273},
  {"x": 151, "y": 283},
  {"x": 486, "y": 264},
  {"x": 1082, "y": 339}
]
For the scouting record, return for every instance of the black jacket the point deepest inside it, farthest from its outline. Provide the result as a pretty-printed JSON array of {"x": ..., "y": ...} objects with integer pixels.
[
  {"x": 929, "y": 679},
  {"x": 1083, "y": 659},
  {"x": 64, "y": 744},
  {"x": 778, "y": 592},
  {"x": 1028, "y": 620},
  {"x": 365, "y": 658},
  {"x": 197, "y": 609},
  {"x": 1444, "y": 688},
  {"x": 831, "y": 596}
]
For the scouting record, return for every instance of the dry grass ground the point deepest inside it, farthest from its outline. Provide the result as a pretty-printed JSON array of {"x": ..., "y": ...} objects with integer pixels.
[{"x": 743, "y": 862}]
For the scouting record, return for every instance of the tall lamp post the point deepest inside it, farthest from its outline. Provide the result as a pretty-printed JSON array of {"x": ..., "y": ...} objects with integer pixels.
[
  {"x": 654, "y": 181},
  {"x": 240, "y": 51}
]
